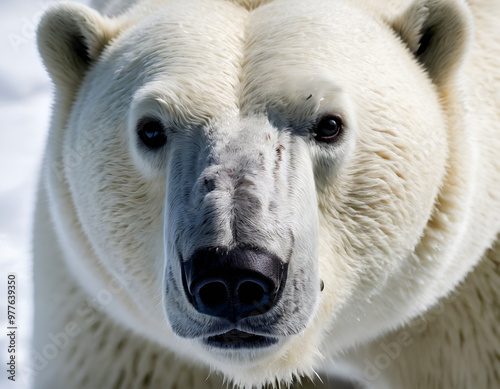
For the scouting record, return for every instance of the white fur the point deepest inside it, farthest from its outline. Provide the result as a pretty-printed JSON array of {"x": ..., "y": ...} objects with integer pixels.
[{"x": 395, "y": 217}]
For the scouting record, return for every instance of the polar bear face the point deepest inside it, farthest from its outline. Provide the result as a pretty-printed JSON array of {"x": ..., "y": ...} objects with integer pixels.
[{"x": 253, "y": 180}]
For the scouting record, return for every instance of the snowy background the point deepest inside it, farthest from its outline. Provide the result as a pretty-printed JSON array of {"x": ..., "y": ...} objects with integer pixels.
[{"x": 25, "y": 100}]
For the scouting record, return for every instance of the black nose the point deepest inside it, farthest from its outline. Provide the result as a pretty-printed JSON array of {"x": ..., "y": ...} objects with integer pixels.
[{"x": 233, "y": 284}]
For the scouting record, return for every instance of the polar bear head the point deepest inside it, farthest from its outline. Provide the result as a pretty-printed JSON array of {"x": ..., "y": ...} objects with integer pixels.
[{"x": 262, "y": 183}]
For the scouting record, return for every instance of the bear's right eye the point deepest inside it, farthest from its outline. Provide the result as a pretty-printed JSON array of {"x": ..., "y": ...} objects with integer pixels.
[{"x": 151, "y": 133}]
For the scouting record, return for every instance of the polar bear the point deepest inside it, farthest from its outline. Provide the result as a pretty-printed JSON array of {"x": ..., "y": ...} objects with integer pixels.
[{"x": 239, "y": 191}]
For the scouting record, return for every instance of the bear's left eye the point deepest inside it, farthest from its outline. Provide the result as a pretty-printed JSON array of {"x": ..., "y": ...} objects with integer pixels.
[
  {"x": 151, "y": 133},
  {"x": 328, "y": 128}
]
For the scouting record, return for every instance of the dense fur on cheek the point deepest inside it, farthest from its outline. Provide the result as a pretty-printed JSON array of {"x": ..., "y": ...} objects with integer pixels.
[{"x": 120, "y": 209}]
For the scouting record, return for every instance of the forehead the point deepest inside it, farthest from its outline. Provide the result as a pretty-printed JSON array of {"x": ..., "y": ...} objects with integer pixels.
[{"x": 213, "y": 57}]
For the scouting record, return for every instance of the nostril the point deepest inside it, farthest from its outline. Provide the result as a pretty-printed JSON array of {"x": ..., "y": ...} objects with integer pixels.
[
  {"x": 213, "y": 294},
  {"x": 250, "y": 292},
  {"x": 233, "y": 284}
]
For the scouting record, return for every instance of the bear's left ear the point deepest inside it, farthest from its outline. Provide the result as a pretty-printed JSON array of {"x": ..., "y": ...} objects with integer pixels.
[
  {"x": 438, "y": 32},
  {"x": 70, "y": 38}
]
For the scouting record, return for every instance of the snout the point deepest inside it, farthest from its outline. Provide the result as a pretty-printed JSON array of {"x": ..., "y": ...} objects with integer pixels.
[
  {"x": 233, "y": 284},
  {"x": 241, "y": 239}
]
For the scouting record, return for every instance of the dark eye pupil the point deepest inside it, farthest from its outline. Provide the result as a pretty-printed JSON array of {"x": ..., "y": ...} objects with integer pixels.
[
  {"x": 328, "y": 128},
  {"x": 152, "y": 133}
]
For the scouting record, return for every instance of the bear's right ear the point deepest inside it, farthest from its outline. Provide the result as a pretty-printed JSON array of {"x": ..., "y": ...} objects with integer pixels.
[{"x": 70, "y": 38}]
